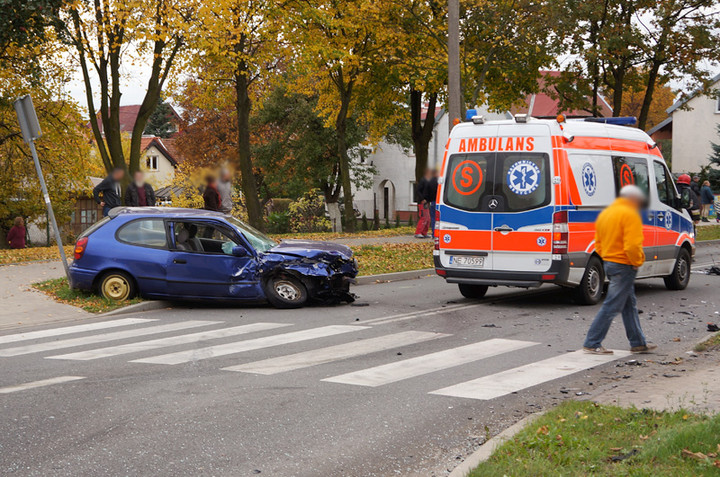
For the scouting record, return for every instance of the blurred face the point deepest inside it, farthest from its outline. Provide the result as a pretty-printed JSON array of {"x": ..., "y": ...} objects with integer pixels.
[
  {"x": 139, "y": 177},
  {"x": 118, "y": 174}
]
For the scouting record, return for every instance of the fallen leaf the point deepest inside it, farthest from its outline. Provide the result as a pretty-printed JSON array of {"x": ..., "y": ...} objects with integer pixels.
[
  {"x": 644, "y": 438},
  {"x": 616, "y": 449},
  {"x": 693, "y": 455},
  {"x": 717, "y": 464},
  {"x": 543, "y": 430},
  {"x": 676, "y": 339}
]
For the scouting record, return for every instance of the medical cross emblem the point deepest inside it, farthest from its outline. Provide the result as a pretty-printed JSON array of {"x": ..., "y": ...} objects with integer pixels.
[
  {"x": 523, "y": 177},
  {"x": 589, "y": 179}
]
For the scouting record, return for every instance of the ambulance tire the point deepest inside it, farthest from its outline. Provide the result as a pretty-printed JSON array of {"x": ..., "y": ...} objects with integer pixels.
[
  {"x": 680, "y": 276},
  {"x": 591, "y": 287},
  {"x": 474, "y": 292}
]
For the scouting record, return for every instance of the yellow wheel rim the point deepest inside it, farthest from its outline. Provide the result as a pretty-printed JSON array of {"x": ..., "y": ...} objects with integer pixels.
[{"x": 116, "y": 287}]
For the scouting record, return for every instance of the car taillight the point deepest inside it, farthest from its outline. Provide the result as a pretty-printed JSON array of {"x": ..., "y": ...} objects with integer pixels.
[
  {"x": 560, "y": 232},
  {"x": 436, "y": 235},
  {"x": 80, "y": 247}
]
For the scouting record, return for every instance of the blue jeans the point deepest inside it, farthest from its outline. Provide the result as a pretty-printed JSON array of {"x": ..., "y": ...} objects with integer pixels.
[
  {"x": 106, "y": 210},
  {"x": 620, "y": 299}
]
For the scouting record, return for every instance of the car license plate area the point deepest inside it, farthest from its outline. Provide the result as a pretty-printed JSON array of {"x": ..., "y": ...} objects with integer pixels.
[{"x": 467, "y": 261}]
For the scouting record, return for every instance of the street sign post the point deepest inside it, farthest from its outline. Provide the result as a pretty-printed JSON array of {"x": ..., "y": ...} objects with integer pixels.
[{"x": 31, "y": 131}]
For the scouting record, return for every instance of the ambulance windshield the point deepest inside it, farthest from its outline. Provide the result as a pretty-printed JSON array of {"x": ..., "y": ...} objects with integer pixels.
[{"x": 498, "y": 182}]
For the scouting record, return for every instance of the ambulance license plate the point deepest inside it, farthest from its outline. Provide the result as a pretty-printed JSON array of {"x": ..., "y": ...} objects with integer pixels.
[{"x": 467, "y": 261}]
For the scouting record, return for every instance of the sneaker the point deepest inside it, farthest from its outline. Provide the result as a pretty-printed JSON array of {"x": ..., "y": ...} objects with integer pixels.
[
  {"x": 646, "y": 348},
  {"x": 705, "y": 219},
  {"x": 598, "y": 350},
  {"x": 419, "y": 236}
]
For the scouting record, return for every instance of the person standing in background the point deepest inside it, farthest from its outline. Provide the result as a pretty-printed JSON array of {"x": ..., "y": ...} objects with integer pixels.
[
  {"x": 224, "y": 188},
  {"x": 111, "y": 191},
  {"x": 431, "y": 197},
  {"x": 211, "y": 195},
  {"x": 421, "y": 231},
  {"x": 707, "y": 198},
  {"x": 16, "y": 235},
  {"x": 695, "y": 185},
  {"x": 139, "y": 193}
]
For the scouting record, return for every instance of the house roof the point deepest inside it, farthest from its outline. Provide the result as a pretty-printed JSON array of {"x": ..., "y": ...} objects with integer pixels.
[
  {"x": 165, "y": 146},
  {"x": 681, "y": 102},
  {"x": 128, "y": 114},
  {"x": 545, "y": 106},
  {"x": 168, "y": 191},
  {"x": 659, "y": 126}
]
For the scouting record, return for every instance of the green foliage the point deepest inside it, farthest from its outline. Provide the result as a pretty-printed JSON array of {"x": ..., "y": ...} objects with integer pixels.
[
  {"x": 281, "y": 205},
  {"x": 307, "y": 214},
  {"x": 24, "y": 23},
  {"x": 397, "y": 220},
  {"x": 376, "y": 221},
  {"x": 59, "y": 290},
  {"x": 160, "y": 122},
  {"x": 410, "y": 220},
  {"x": 364, "y": 223},
  {"x": 278, "y": 222}
]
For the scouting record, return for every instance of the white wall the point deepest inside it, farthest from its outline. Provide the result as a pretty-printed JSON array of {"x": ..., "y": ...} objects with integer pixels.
[
  {"x": 165, "y": 173},
  {"x": 693, "y": 131}
]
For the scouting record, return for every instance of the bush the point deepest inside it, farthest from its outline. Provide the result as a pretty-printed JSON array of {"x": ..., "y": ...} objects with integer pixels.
[
  {"x": 376, "y": 222},
  {"x": 365, "y": 225},
  {"x": 410, "y": 220},
  {"x": 307, "y": 214},
  {"x": 279, "y": 222},
  {"x": 281, "y": 205},
  {"x": 397, "y": 220}
]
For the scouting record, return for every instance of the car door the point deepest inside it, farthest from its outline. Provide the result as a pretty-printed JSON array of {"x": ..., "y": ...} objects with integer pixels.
[
  {"x": 144, "y": 252},
  {"x": 201, "y": 266},
  {"x": 667, "y": 219}
]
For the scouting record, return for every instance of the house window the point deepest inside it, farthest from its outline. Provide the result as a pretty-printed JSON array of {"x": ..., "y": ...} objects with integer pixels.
[
  {"x": 717, "y": 105},
  {"x": 151, "y": 163},
  {"x": 413, "y": 193}
]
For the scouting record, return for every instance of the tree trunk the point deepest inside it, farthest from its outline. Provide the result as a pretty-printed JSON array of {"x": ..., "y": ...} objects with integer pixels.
[
  {"x": 619, "y": 80},
  {"x": 421, "y": 132},
  {"x": 247, "y": 177},
  {"x": 345, "y": 179}
]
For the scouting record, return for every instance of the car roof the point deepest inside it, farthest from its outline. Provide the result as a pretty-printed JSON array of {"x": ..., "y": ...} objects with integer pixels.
[{"x": 173, "y": 212}]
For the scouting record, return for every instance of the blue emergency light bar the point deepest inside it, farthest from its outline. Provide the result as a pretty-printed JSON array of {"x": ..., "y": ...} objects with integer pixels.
[
  {"x": 619, "y": 121},
  {"x": 469, "y": 114}
]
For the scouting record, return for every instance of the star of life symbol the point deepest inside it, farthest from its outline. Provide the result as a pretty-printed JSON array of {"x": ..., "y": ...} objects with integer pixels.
[
  {"x": 447, "y": 238},
  {"x": 668, "y": 219},
  {"x": 523, "y": 177},
  {"x": 589, "y": 179},
  {"x": 541, "y": 241}
]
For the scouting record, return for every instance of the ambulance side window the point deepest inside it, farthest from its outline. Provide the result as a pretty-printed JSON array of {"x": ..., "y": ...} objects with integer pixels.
[
  {"x": 631, "y": 170},
  {"x": 665, "y": 187}
]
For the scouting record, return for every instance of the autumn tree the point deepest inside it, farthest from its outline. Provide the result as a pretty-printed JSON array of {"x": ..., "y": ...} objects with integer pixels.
[
  {"x": 107, "y": 36},
  {"x": 634, "y": 95},
  {"x": 23, "y": 25},
  {"x": 238, "y": 45}
]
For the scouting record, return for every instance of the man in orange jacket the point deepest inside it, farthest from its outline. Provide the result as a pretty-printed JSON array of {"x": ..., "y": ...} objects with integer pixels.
[{"x": 619, "y": 241}]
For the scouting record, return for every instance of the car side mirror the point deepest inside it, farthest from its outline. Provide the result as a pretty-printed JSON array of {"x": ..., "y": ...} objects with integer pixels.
[{"x": 239, "y": 251}]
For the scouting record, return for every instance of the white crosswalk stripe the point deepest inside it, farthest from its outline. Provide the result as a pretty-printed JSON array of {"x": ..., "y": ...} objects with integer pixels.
[
  {"x": 170, "y": 341},
  {"x": 38, "y": 384},
  {"x": 517, "y": 379},
  {"x": 117, "y": 335},
  {"x": 409, "y": 368},
  {"x": 316, "y": 357},
  {"x": 248, "y": 345},
  {"x": 31, "y": 335}
]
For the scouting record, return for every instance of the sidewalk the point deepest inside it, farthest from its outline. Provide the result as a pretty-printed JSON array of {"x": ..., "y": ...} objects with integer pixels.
[{"x": 22, "y": 305}]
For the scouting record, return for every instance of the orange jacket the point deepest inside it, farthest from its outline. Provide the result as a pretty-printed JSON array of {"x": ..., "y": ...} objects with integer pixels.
[{"x": 619, "y": 234}]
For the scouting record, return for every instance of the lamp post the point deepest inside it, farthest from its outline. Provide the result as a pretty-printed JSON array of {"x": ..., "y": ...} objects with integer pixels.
[{"x": 454, "y": 92}]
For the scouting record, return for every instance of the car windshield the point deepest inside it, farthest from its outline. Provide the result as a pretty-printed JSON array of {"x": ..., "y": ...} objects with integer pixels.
[{"x": 258, "y": 240}]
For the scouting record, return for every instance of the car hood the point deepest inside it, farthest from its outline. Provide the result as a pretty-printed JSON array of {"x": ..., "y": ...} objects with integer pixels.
[{"x": 312, "y": 249}]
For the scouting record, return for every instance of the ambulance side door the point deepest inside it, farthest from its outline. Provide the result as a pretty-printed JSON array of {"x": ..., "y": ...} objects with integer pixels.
[{"x": 667, "y": 218}]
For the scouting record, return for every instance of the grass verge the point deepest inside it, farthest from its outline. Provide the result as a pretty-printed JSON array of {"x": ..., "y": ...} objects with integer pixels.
[
  {"x": 583, "y": 438},
  {"x": 708, "y": 232},
  {"x": 372, "y": 259},
  {"x": 59, "y": 290},
  {"x": 711, "y": 343}
]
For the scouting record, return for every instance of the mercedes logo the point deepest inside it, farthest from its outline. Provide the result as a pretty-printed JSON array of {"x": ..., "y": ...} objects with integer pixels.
[{"x": 493, "y": 203}]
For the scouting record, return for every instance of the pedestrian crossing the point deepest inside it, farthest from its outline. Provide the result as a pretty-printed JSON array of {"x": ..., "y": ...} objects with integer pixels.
[{"x": 154, "y": 341}]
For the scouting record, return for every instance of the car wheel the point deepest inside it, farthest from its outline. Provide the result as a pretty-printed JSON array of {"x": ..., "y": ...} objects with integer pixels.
[
  {"x": 473, "y": 292},
  {"x": 591, "y": 287},
  {"x": 117, "y": 286},
  {"x": 286, "y": 292},
  {"x": 680, "y": 276}
]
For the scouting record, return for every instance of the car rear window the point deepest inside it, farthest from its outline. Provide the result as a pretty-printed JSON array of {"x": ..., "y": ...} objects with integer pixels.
[
  {"x": 518, "y": 181},
  {"x": 94, "y": 227},
  {"x": 144, "y": 232}
]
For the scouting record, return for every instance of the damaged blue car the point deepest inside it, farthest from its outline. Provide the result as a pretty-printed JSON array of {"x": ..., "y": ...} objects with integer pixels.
[{"x": 172, "y": 253}]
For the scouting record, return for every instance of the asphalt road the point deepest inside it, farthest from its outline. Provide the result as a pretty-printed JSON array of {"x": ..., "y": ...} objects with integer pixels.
[{"x": 155, "y": 399}]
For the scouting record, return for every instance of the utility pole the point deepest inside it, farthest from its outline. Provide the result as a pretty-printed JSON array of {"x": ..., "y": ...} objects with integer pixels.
[
  {"x": 454, "y": 92},
  {"x": 31, "y": 131}
]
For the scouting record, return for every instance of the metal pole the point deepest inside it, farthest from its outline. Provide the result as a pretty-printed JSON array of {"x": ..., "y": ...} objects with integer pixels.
[
  {"x": 50, "y": 212},
  {"x": 454, "y": 92}
]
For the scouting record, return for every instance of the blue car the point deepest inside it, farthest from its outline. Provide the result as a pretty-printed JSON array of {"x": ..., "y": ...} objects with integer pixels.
[{"x": 172, "y": 253}]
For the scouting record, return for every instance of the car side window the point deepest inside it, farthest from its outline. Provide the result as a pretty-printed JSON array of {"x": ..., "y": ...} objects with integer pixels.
[
  {"x": 144, "y": 232},
  {"x": 631, "y": 170},
  {"x": 664, "y": 185},
  {"x": 203, "y": 237}
]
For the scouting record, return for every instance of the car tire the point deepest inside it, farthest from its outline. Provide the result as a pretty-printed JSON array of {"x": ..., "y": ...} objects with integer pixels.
[
  {"x": 591, "y": 287},
  {"x": 117, "y": 286},
  {"x": 474, "y": 292},
  {"x": 680, "y": 276},
  {"x": 286, "y": 292}
]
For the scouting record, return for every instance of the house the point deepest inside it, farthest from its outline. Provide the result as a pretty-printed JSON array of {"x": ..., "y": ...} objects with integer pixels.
[
  {"x": 159, "y": 160},
  {"x": 692, "y": 124},
  {"x": 392, "y": 192}
]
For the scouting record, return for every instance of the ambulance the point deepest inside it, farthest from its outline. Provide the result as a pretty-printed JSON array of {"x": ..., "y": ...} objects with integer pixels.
[{"x": 518, "y": 199}]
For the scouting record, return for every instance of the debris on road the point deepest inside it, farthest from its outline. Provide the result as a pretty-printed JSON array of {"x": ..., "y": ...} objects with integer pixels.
[{"x": 712, "y": 327}]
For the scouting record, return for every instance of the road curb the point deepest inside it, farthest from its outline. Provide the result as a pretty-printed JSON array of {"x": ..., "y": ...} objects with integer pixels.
[
  {"x": 486, "y": 450},
  {"x": 395, "y": 276},
  {"x": 137, "y": 308},
  {"x": 699, "y": 243}
]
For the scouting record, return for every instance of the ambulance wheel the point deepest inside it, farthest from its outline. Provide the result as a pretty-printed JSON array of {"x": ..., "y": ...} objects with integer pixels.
[
  {"x": 680, "y": 276},
  {"x": 473, "y": 291},
  {"x": 590, "y": 290}
]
